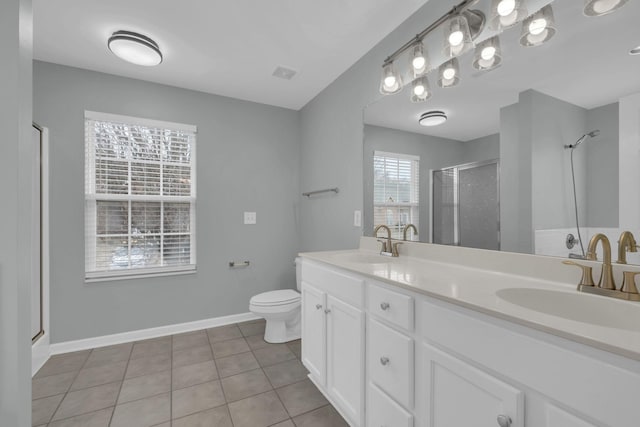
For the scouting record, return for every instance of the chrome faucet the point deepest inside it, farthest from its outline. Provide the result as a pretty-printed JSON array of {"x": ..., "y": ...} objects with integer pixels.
[
  {"x": 388, "y": 248},
  {"x": 406, "y": 228},
  {"x": 606, "y": 277},
  {"x": 626, "y": 243}
]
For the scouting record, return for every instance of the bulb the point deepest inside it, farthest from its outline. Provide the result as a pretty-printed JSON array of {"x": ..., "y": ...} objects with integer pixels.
[
  {"x": 537, "y": 26},
  {"x": 419, "y": 90},
  {"x": 604, "y": 6},
  {"x": 390, "y": 81},
  {"x": 506, "y": 7},
  {"x": 449, "y": 73},
  {"x": 488, "y": 53},
  {"x": 418, "y": 62},
  {"x": 456, "y": 37}
]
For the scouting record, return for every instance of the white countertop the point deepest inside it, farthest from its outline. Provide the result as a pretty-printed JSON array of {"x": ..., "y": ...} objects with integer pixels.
[{"x": 477, "y": 289}]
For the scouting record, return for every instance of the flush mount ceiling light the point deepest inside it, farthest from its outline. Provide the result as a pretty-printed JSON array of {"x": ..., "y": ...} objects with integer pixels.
[
  {"x": 461, "y": 30},
  {"x": 449, "y": 73},
  {"x": 419, "y": 60},
  {"x": 602, "y": 7},
  {"x": 135, "y": 48},
  {"x": 432, "y": 118},
  {"x": 420, "y": 90},
  {"x": 391, "y": 81},
  {"x": 488, "y": 54},
  {"x": 538, "y": 28},
  {"x": 506, "y": 13}
]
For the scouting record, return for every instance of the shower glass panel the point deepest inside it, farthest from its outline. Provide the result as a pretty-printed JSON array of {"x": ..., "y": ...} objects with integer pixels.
[{"x": 465, "y": 205}]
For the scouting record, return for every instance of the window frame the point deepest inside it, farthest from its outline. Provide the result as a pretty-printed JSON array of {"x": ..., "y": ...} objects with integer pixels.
[{"x": 91, "y": 198}]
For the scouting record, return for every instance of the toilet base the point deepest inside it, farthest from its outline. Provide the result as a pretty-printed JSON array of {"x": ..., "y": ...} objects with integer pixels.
[{"x": 282, "y": 330}]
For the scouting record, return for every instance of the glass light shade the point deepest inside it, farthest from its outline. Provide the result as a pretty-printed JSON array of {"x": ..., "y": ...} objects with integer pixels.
[
  {"x": 135, "y": 48},
  {"x": 506, "y": 13},
  {"x": 488, "y": 54},
  {"x": 419, "y": 61},
  {"x": 457, "y": 36},
  {"x": 538, "y": 28},
  {"x": 391, "y": 81},
  {"x": 449, "y": 73},
  {"x": 602, "y": 7},
  {"x": 420, "y": 90},
  {"x": 432, "y": 118}
]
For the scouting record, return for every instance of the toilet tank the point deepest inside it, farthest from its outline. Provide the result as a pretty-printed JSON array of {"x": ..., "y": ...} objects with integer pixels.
[{"x": 298, "y": 262}]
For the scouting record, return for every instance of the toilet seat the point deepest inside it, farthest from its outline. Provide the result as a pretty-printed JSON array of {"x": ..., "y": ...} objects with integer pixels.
[{"x": 282, "y": 297}]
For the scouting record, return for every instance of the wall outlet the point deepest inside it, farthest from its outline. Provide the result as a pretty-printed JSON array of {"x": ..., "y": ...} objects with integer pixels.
[
  {"x": 250, "y": 218},
  {"x": 357, "y": 218}
]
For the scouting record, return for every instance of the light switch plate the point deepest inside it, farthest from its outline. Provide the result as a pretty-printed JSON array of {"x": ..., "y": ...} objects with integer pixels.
[
  {"x": 357, "y": 218},
  {"x": 250, "y": 218}
]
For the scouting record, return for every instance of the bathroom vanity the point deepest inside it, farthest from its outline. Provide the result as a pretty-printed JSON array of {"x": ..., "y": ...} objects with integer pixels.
[{"x": 456, "y": 337}]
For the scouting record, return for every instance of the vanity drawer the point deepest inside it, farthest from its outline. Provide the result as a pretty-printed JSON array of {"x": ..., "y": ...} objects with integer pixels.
[
  {"x": 343, "y": 285},
  {"x": 390, "y": 361},
  {"x": 383, "y": 411},
  {"x": 391, "y": 306}
]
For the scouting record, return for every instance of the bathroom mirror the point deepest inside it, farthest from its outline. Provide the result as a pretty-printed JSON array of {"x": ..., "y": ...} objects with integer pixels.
[{"x": 496, "y": 175}]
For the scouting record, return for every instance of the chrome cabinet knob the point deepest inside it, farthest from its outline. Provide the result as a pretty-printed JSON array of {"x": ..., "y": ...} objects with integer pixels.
[
  {"x": 318, "y": 306},
  {"x": 504, "y": 421},
  {"x": 384, "y": 306},
  {"x": 327, "y": 311},
  {"x": 384, "y": 361}
]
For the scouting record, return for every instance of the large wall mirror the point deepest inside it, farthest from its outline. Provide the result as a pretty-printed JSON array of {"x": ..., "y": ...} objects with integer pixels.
[{"x": 498, "y": 173}]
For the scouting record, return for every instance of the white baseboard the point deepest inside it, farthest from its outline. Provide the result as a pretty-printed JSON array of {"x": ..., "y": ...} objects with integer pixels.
[
  {"x": 143, "y": 334},
  {"x": 40, "y": 353}
]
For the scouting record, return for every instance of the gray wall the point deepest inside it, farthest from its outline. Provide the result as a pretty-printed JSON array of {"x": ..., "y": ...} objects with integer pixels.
[
  {"x": 248, "y": 157},
  {"x": 481, "y": 149},
  {"x": 602, "y": 166},
  {"x": 16, "y": 161}
]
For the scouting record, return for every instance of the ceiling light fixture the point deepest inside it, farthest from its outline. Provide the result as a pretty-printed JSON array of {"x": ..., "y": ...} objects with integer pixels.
[
  {"x": 135, "y": 48},
  {"x": 602, "y": 7},
  {"x": 420, "y": 90},
  {"x": 432, "y": 118},
  {"x": 538, "y": 28},
  {"x": 488, "y": 54},
  {"x": 506, "y": 13},
  {"x": 391, "y": 81},
  {"x": 461, "y": 30},
  {"x": 419, "y": 60},
  {"x": 449, "y": 73}
]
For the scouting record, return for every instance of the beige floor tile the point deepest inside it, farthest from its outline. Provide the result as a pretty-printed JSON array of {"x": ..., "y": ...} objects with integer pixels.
[
  {"x": 274, "y": 353},
  {"x": 103, "y": 374},
  {"x": 258, "y": 411},
  {"x": 143, "y": 413},
  {"x": 145, "y": 386},
  {"x": 197, "y": 398},
  {"x": 190, "y": 340},
  {"x": 87, "y": 400},
  {"x": 326, "y": 416},
  {"x": 285, "y": 373},
  {"x": 236, "y": 364},
  {"x": 251, "y": 329},
  {"x": 94, "y": 419},
  {"x": 301, "y": 397},
  {"x": 216, "y": 417},
  {"x": 223, "y": 333},
  {"x": 256, "y": 342},
  {"x": 295, "y": 347},
  {"x": 229, "y": 347},
  {"x": 109, "y": 355},
  {"x": 51, "y": 385},
  {"x": 43, "y": 409},
  {"x": 148, "y": 365},
  {"x": 244, "y": 385},
  {"x": 186, "y": 376},
  {"x": 152, "y": 347},
  {"x": 287, "y": 423},
  {"x": 192, "y": 355},
  {"x": 62, "y": 363}
]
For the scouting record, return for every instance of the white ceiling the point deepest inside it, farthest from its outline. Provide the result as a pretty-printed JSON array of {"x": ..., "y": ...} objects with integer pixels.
[
  {"x": 586, "y": 63},
  {"x": 228, "y": 48}
]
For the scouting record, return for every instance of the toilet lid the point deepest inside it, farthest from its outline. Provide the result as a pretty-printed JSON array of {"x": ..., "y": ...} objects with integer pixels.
[{"x": 280, "y": 297}]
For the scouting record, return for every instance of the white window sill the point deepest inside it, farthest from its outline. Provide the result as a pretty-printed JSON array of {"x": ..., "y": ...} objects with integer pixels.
[{"x": 138, "y": 274}]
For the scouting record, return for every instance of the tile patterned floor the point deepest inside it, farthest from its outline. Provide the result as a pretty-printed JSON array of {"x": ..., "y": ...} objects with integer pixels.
[{"x": 220, "y": 377}]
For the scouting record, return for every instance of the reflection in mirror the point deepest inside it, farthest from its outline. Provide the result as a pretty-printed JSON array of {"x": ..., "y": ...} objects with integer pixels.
[{"x": 499, "y": 172}]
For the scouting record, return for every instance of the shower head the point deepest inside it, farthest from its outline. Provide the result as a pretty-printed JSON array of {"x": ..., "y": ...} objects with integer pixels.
[{"x": 591, "y": 134}]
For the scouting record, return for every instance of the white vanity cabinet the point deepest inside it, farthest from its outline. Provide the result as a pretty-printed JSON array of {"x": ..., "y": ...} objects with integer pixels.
[{"x": 333, "y": 332}]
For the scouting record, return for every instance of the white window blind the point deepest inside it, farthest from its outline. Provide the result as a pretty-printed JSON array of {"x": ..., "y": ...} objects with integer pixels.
[
  {"x": 140, "y": 195},
  {"x": 395, "y": 191}
]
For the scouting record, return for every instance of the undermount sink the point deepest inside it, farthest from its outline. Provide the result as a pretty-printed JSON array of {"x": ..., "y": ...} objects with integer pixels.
[
  {"x": 362, "y": 258},
  {"x": 595, "y": 310}
]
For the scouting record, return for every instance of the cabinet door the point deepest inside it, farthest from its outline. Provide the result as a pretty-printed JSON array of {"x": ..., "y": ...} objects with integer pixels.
[
  {"x": 557, "y": 417},
  {"x": 314, "y": 332},
  {"x": 458, "y": 394},
  {"x": 345, "y": 358}
]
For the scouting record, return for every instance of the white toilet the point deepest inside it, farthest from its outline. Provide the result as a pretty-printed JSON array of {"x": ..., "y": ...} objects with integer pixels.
[{"x": 281, "y": 310}]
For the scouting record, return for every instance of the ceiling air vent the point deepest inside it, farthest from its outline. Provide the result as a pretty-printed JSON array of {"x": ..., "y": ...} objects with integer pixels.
[{"x": 284, "y": 73}]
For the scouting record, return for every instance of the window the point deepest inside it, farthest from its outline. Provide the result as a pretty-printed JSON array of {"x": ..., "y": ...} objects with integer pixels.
[
  {"x": 140, "y": 194},
  {"x": 395, "y": 191}
]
